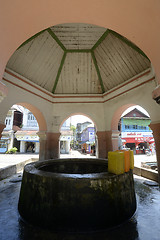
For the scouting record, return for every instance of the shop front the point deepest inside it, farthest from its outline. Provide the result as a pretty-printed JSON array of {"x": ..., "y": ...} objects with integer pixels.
[{"x": 139, "y": 142}]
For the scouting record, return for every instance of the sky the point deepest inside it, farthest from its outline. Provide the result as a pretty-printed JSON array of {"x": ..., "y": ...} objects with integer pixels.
[
  {"x": 79, "y": 119},
  {"x": 138, "y": 107}
]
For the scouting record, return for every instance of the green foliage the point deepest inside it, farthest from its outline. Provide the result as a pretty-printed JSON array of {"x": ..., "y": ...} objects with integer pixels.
[
  {"x": 12, "y": 150},
  {"x": 73, "y": 128}
]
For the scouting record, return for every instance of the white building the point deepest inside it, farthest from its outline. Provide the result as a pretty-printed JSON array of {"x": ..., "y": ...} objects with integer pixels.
[
  {"x": 25, "y": 137},
  {"x": 29, "y": 140},
  {"x": 66, "y": 137}
]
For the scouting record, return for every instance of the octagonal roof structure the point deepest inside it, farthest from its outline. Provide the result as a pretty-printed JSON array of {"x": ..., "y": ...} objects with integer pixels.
[{"x": 78, "y": 58}]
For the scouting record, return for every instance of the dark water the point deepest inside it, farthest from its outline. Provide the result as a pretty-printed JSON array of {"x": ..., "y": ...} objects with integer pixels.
[{"x": 145, "y": 225}]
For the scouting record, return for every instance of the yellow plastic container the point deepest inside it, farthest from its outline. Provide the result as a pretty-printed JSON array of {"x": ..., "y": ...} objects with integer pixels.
[
  {"x": 126, "y": 160},
  {"x": 116, "y": 162},
  {"x": 131, "y": 159}
]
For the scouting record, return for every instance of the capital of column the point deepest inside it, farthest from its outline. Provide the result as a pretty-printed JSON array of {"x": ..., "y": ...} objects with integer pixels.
[
  {"x": 115, "y": 133},
  {"x": 53, "y": 135},
  {"x": 101, "y": 135},
  {"x": 42, "y": 135}
]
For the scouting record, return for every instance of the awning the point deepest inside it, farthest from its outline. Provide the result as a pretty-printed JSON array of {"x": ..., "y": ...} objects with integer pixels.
[{"x": 138, "y": 140}]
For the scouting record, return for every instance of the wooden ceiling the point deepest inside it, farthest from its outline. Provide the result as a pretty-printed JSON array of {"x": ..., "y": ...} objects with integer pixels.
[{"x": 78, "y": 58}]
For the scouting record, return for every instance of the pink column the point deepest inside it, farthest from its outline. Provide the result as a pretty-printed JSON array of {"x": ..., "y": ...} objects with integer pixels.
[
  {"x": 2, "y": 126},
  {"x": 52, "y": 145},
  {"x": 104, "y": 143},
  {"x": 156, "y": 134},
  {"x": 115, "y": 139}
]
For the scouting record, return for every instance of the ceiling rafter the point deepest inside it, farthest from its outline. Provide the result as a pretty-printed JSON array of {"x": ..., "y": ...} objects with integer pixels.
[
  {"x": 98, "y": 71},
  {"x": 60, "y": 45},
  {"x": 53, "y": 35},
  {"x": 100, "y": 40},
  {"x": 59, "y": 72},
  {"x": 78, "y": 50},
  {"x": 129, "y": 43}
]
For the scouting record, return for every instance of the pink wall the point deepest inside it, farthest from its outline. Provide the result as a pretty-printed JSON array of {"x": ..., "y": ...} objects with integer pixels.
[{"x": 139, "y": 21}]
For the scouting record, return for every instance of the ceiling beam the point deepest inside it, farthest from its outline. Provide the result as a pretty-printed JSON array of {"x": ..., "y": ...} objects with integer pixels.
[
  {"x": 56, "y": 39},
  {"x": 59, "y": 72},
  {"x": 100, "y": 40},
  {"x": 98, "y": 72},
  {"x": 129, "y": 43},
  {"x": 78, "y": 50}
]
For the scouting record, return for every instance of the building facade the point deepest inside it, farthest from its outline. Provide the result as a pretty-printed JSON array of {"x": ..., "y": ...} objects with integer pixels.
[
  {"x": 135, "y": 131},
  {"x": 88, "y": 139},
  {"x": 79, "y": 129}
]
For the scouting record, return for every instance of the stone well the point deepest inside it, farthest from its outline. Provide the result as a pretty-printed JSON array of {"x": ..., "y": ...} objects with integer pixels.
[{"x": 75, "y": 195}]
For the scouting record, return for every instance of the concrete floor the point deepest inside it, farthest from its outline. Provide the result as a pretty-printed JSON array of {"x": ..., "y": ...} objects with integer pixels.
[{"x": 145, "y": 225}]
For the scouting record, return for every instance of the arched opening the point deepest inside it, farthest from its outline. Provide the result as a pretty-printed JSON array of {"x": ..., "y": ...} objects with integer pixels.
[
  {"x": 38, "y": 115},
  {"x": 135, "y": 134},
  {"x": 20, "y": 133},
  {"x": 78, "y": 137},
  {"x": 135, "y": 131}
]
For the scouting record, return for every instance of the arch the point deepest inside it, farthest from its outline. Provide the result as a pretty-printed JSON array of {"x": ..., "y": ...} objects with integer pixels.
[
  {"x": 117, "y": 115},
  {"x": 38, "y": 115},
  {"x": 73, "y": 114}
]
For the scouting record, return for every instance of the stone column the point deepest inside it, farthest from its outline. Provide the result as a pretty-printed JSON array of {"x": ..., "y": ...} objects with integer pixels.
[
  {"x": 68, "y": 146},
  {"x": 22, "y": 146},
  {"x": 11, "y": 139},
  {"x": 37, "y": 147},
  {"x": 52, "y": 145},
  {"x": 2, "y": 126},
  {"x": 107, "y": 141},
  {"x": 156, "y": 134},
  {"x": 42, "y": 145}
]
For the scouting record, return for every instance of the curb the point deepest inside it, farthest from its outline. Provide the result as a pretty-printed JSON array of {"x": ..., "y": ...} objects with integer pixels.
[
  {"x": 146, "y": 173},
  {"x": 13, "y": 169}
]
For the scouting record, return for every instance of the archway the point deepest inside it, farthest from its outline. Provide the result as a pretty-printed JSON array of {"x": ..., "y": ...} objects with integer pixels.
[
  {"x": 38, "y": 115},
  {"x": 135, "y": 132},
  {"x": 78, "y": 136},
  {"x": 21, "y": 130}
]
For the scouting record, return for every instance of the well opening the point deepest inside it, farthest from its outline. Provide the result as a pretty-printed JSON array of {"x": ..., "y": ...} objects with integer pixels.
[{"x": 75, "y": 166}]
